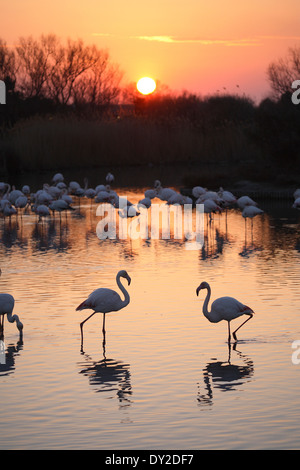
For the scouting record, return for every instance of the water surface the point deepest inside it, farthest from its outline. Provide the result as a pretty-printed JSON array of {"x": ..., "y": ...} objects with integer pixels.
[{"x": 166, "y": 378}]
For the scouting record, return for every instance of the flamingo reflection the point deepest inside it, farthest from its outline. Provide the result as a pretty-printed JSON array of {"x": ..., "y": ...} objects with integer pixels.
[
  {"x": 224, "y": 376},
  {"x": 7, "y": 357},
  {"x": 110, "y": 376}
]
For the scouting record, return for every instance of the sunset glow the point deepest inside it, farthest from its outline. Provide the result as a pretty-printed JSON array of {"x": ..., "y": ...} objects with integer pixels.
[{"x": 195, "y": 46}]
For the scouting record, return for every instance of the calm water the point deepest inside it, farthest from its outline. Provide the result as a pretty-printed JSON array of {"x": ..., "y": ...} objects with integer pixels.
[{"x": 166, "y": 378}]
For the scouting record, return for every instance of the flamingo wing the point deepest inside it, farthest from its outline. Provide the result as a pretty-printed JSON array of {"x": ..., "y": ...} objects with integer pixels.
[
  {"x": 102, "y": 300},
  {"x": 228, "y": 308}
]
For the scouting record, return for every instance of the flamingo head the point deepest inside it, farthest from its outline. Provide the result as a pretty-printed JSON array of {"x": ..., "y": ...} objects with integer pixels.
[
  {"x": 124, "y": 274},
  {"x": 203, "y": 285}
]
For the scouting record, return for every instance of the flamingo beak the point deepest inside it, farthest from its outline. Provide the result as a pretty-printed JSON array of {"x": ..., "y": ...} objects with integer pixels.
[
  {"x": 129, "y": 280},
  {"x": 197, "y": 290}
]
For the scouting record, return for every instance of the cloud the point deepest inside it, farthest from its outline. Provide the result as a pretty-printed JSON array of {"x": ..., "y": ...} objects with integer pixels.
[
  {"x": 238, "y": 42},
  {"x": 201, "y": 41}
]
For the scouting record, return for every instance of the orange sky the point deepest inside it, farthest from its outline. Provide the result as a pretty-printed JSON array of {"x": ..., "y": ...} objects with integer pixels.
[{"x": 191, "y": 45}]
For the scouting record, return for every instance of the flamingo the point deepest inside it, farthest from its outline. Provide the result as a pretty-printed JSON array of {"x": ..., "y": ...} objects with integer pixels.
[
  {"x": 297, "y": 193},
  {"x": 105, "y": 300},
  {"x": 198, "y": 191},
  {"x": 109, "y": 178},
  {"x": 296, "y": 204},
  {"x": 146, "y": 202},
  {"x": 244, "y": 201},
  {"x": 7, "y": 303},
  {"x": 57, "y": 178},
  {"x": 224, "y": 308},
  {"x": 251, "y": 211}
]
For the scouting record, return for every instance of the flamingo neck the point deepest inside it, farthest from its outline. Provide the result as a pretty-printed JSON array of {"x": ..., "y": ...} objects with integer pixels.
[
  {"x": 14, "y": 318},
  {"x": 122, "y": 288},
  {"x": 206, "y": 313}
]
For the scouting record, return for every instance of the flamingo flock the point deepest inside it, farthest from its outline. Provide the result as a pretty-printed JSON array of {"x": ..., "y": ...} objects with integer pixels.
[{"x": 58, "y": 196}]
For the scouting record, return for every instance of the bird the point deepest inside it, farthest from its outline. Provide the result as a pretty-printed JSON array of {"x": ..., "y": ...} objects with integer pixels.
[
  {"x": 42, "y": 211},
  {"x": 224, "y": 308},
  {"x": 296, "y": 204},
  {"x": 105, "y": 300},
  {"x": 109, "y": 178},
  {"x": 227, "y": 197},
  {"x": 296, "y": 194},
  {"x": 251, "y": 211},
  {"x": 145, "y": 202},
  {"x": 244, "y": 201},
  {"x": 198, "y": 191},
  {"x": 57, "y": 178},
  {"x": 60, "y": 205},
  {"x": 7, "y": 303}
]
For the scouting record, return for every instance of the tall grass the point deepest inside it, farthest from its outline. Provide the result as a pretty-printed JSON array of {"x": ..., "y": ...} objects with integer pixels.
[{"x": 64, "y": 143}]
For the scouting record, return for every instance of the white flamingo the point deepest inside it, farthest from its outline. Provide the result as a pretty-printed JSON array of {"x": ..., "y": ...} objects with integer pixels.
[
  {"x": 7, "y": 303},
  {"x": 224, "y": 308},
  {"x": 57, "y": 178},
  {"x": 244, "y": 201},
  {"x": 297, "y": 194},
  {"x": 105, "y": 300},
  {"x": 198, "y": 191},
  {"x": 251, "y": 212},
  {"x": 109, "y": 178},
  {"x": 296, "y": 204}
]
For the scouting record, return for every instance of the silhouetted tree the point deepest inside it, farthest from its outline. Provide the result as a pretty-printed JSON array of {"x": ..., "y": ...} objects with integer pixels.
[
  {"x": 36, "y": 65},
  {"x": 99, "y": 85},
  {"x": 284, "y": 71},
  {"x": 8, "y": 67}
]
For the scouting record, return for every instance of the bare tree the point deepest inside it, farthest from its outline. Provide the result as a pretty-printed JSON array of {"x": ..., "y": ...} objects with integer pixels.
[
  {"x": 70, "y": 62},
  {"x": 35, "y": 64},
  {"x": 100, "y": 84},
  {"x": 8, "y": 68},
  {"x": 284, "y": 71}
]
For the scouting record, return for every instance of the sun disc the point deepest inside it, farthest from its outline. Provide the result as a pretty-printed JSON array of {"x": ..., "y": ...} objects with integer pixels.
[{"x": 146, "y": 85}]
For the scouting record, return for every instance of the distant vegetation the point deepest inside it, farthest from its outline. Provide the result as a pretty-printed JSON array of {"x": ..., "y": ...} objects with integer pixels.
[{"x": 66, "y": 109}]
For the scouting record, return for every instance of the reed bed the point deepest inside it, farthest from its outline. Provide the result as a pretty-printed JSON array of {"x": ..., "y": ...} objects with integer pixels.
[{"x": 63, "y": 143}]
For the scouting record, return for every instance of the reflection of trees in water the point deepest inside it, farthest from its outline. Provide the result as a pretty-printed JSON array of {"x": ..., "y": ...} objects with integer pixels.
[
  {"x": 224, "y": 376},
  {"x": 110, "y": 376},
  {"x": 12, "y": 351}
]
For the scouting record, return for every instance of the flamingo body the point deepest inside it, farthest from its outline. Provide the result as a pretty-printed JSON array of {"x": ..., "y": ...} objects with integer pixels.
[
  {"x": 102, "y": 300},
  {"x": 224, "y": 308},
  {"x": 7, "y": 303},
  {"x": 105, "y": 300}
]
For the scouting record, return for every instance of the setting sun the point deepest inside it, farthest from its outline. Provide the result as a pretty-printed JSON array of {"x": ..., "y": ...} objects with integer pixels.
[{"x": 146, "y": 85}]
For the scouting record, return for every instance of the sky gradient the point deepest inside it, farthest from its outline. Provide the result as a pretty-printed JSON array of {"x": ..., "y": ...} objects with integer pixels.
[{"x": 188, "y": 45}]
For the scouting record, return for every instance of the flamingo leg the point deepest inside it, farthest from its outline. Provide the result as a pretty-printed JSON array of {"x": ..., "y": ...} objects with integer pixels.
[
  {"x": 229, "y": 332},
  {"x": 103, "y": 331},
  {"x": 103, "y": 326},
  {"x": 81, "y": 326},
  {"x": 1, "y": 326},
  {"x": 234, "y": 333}
]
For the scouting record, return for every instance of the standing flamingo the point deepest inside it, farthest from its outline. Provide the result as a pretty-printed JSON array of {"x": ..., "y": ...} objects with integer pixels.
[
  {"x": 106, "y": 300},
  {"x": 224, "y": 308},
  {"x": 7, "y": 303}
]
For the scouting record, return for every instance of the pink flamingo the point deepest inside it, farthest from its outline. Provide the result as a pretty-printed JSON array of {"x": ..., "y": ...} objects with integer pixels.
[
  {"x": 224, "y": 308},
  {"x": 106, "y": 300}
]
